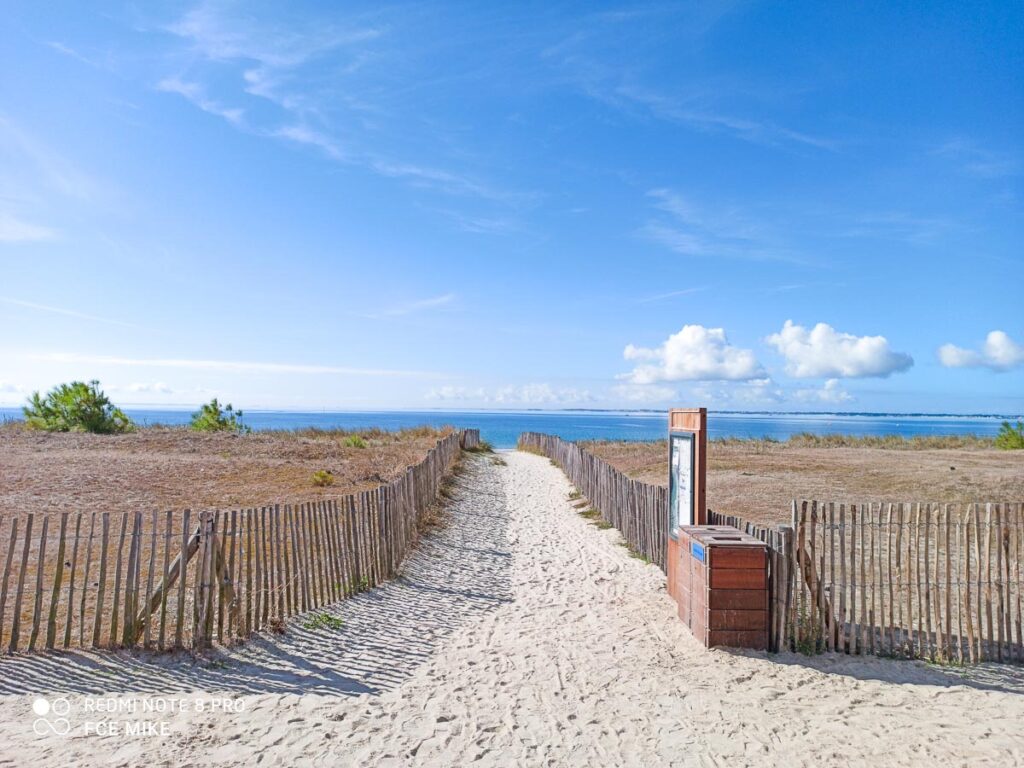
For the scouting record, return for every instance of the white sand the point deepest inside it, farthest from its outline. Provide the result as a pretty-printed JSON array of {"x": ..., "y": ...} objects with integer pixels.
[{"x": 519, "y": 635}]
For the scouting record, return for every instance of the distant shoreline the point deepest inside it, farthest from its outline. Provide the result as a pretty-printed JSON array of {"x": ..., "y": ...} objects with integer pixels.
[{"x": 154, "y": 407}]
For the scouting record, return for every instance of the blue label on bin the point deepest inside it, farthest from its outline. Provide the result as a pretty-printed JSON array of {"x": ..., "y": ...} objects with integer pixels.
[{"x": 697, "y": 550}]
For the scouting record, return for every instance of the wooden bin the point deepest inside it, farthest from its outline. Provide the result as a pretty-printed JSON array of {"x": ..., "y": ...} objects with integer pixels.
[{"x": 721, "y": 586}]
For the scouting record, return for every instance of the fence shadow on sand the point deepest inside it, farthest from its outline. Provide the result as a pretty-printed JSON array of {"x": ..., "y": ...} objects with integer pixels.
[{"x": 459, "y": 571}]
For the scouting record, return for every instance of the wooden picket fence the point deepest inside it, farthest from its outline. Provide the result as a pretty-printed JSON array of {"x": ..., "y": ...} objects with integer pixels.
[
  {"x": 637, "y": 510},
  {"x": 174, "y": 580},
  {"x": 912, "y": 580}
]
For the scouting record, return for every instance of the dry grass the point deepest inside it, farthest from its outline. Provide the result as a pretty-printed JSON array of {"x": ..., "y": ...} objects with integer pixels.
[
  {"x": 757, "y": 479},
  {"x": 161, "y": 468},
  {"x": 167, "y": 468}
]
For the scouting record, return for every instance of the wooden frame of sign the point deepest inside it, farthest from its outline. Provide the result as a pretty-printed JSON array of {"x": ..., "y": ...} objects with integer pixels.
[{"x": 688, "y": 426}]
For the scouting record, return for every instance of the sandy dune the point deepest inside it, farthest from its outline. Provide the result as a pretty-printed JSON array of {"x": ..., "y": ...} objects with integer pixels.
[{"x": 518, "y": 635}]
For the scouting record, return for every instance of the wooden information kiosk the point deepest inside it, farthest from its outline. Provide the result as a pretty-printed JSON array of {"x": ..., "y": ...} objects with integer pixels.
[{"x": 717, "y": 575}]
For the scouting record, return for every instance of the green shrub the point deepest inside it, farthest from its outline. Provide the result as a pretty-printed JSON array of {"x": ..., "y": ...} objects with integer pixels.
[
  {"x": 354, "y": 441},
  {"x": 76, "y": 407},
  {"x": 211, "y": 417},
  {"x": 322, "y": 478},
  {"x": 1011, "y": 437},
  {"x": 323, "y": 621}
]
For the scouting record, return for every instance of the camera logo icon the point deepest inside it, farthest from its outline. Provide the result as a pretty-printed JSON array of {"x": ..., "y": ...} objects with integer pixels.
[{"x": 51, "y": 717}]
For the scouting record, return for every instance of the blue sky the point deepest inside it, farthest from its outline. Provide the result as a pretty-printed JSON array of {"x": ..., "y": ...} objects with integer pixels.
[{"x": 779, "y": 206}]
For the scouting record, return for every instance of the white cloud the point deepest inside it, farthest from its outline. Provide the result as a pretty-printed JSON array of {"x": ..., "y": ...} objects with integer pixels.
[
  {"x": 670, "y": 295},
  {"x": 415, "y": 306},
  {"x": 685, "y": 228},
  {"x": 541, "y": 394},
  {"x": 526, "y": 394},
  {"x": 450, "y": 392},
  {"x": 302, "y": 134},
  {"x": 757, "y": 392},
  {"x": 9, "y": 387},
  {"x": 62, "y": 311},
  {"x": 643, "y": 393},
  {"x": 695, "y": 353},
  {"x": 999, "y": 352},
  {"x": 15, "y": 230},
  {"x": 227, "y": 366},
  {"x": 830, "y": 393},
  {"x": 156, "y": 388},
  {"x": 823, "y": 351},
  {"x": 195, "y": 93}
]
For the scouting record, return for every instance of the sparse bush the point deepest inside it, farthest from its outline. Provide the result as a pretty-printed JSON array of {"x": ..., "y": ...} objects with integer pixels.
[
  {"x": 211, "y": 417},
  {"x": 76, "y": 407},
  {"x": 323, "y": 621},
  {"x": 322, "y": 478},
  {"x": 354, "y": 441},
  {"x": 1011, "y": 437},
  {"x": 574, "y": 494}
]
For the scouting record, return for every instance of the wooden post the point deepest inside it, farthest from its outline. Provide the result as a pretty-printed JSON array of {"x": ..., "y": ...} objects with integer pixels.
[
  {"x": 7, "y": 572},
  {"x": 37, "y": 608},
  {"x": 51, "y": 620},
  {"x": 85, "y": 581},
  {"x": 118, "y": 575},
  {"x": 71, "y": 582}
]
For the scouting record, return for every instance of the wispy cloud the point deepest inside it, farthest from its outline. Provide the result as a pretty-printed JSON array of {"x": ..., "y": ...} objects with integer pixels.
[
  {"x": 302, "y": 134},
  {"x": 533, "y": 394},
  {"x": 67, "y": 50},
  {"x": 670, "y": 295},
  {"x": 195, "y": 93},
  {"x": 592, "y": 59},
  {"x": 412, "y": 307},
  {"x": 228, "y": 366},
  {"x": 63, "y": 311},
  {"x": 42, "y": 165},
  {"x": 283, "y": 64},
  {"x": 690, "y": 230},
  {"x": 15, "y": 230},
  {"x": 707, "y": 119},
  {"x": 975, "y": 160}
]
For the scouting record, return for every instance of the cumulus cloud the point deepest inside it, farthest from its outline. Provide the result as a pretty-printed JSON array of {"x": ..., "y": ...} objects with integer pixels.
[
  {"x": 999, "y": 352},
  {"x": 695, "y": 353},
  {"x": 824, "y": 352},
  {"x": 9, "y": 387},
  {"x": 830, "y": 393}
]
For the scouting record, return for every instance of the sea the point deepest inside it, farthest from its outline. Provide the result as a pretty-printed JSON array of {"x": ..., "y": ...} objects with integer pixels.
[{"x": 502, "y": 428}]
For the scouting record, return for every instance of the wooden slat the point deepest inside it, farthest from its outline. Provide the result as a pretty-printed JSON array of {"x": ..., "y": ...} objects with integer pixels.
[
  {"x": 37, "y": 605},
  {"x": 966, "y": 554},
  {"x": 11, "y": 546},
  {"x": 988, "y": 579},
  {"x": 118, "y": 576},
  {"x": 68, "y": 621},
  {"x": 183, "y": 558},
  {"x": 168, "y": 532},
  {"x": 51, "y": 619},
  {"x": 249, "y": 543},
  {"x": 85, "y": 581},
  {"x": 128, "y": 635}
]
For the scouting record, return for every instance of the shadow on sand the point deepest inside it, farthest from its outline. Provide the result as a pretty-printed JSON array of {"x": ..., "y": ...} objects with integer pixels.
[{"x": 459, "y": 571}]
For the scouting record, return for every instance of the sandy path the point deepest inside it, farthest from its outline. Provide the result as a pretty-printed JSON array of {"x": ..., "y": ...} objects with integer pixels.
[{"x": 521, "y": 635}]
